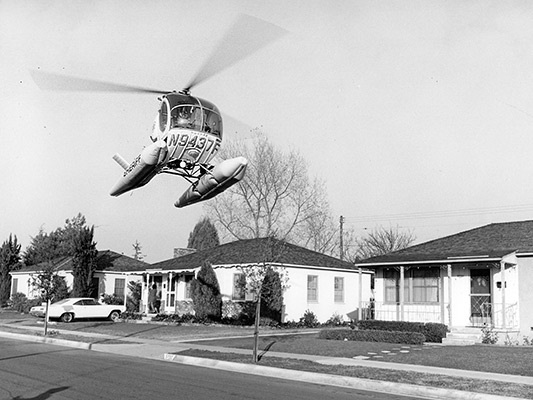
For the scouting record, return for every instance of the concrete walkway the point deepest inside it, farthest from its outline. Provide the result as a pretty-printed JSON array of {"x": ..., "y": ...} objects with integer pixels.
[{"x": 165, "y": 350}]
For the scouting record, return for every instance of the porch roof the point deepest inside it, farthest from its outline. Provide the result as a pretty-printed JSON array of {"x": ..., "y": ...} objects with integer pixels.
[
  {"x": 252, "y": 251},
  {"x": 487, "y": 243}
]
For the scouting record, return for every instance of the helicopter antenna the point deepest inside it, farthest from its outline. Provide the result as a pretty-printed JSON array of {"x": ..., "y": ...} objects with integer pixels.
[{"x": 246, "y": 36}]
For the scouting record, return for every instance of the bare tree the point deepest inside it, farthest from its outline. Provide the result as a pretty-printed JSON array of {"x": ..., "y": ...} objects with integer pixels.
[
  {"x": 275, "y": 198},
  {"x": 382, "y": 241}
]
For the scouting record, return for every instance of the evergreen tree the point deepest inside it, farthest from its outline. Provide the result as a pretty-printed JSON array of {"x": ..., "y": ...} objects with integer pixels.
[
  {"x": 206, "y": 295},
  {"x": 204, "y": 236},
  {"x": 9, "y": 261},
  {"x": 59, "y": 243},
  {"x": 84, "y": 261},
  {"x": 271, "y": 295}
]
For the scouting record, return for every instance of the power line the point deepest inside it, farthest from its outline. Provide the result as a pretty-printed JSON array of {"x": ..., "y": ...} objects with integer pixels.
[{"x": 441, "y": 214}]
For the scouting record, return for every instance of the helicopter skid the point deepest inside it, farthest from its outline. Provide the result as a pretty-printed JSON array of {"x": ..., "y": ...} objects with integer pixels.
[
  {"x": 214, "y": 182},
  {"x": 141, "y": 170}
]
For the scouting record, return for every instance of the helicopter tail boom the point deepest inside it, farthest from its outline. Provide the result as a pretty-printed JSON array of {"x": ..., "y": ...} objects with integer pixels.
[
  {"x": 141, "y": 170},
  {"x": 214, "y": 182}
]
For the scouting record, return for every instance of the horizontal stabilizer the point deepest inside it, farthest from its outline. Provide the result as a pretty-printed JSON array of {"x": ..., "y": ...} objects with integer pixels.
[
  {"x": 120, "y": 161},
  {"x": 214, "y": 182}
]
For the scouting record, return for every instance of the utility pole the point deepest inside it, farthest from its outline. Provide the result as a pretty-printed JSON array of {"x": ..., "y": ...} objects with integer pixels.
[{"x": 341, "y": 244}]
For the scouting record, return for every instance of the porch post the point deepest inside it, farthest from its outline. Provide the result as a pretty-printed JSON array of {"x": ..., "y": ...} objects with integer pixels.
[
  {"x": 502, "y": 269},
  {"x": 441, "y": 296},
  {"x": 360, "y": 295},
  {"x": 402, "y": 291},
  {"x": 450, "y": 295}
]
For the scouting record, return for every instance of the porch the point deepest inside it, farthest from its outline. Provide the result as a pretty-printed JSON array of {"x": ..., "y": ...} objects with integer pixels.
[{"x": 494, "y": 315}]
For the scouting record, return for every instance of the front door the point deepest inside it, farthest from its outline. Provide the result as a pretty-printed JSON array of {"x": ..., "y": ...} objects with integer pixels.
[{"x": 480, "y": 298}]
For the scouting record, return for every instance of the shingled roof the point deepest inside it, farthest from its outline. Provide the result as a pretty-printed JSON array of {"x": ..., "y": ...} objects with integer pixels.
[
  {"x": 106, "y": 260},
  {"x": 489, "y": 241},
  {"x": 252, "y": 251}
]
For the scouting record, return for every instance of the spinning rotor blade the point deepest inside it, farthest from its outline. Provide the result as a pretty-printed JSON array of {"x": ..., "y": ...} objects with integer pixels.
[
  {"x": 51, "y": 81},
  {"x": 247, "y": 35}
]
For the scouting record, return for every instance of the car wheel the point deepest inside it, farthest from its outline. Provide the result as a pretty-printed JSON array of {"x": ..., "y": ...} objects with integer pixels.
[
  {"x": 67, "y": 317},
  {"x": 114, "y": 316}
]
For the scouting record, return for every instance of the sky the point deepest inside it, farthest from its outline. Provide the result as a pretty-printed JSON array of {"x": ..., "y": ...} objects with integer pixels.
[{"x": 416, "y": 114}]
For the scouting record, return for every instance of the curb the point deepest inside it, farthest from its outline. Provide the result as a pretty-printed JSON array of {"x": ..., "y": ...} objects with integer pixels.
[
  {"x": 48, "y": 340},
  {"x": 404, "y": 389}
]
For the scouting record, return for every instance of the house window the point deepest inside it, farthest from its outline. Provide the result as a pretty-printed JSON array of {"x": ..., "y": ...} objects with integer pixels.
[
  {"x": 312, "y": 287},
  {"x": 14, "y": 286},
  {"x": 120, "y": 285},
  {"x": 239, "y": 287},
  {"x": 420, "y": 285},
  {"x": 339, "y": 289}
]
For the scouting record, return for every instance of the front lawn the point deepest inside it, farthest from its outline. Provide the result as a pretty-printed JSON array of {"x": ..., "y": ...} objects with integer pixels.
[
  {"x": 514, "y": 360},
  {"x": 415, "y": 378}
]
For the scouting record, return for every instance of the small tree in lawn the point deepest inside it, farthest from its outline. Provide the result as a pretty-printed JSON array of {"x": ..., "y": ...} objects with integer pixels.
[
  {"x": 51, "y": 286},
  {"x": 205, "y": 292},
  {"x": 266, "y": 282}
]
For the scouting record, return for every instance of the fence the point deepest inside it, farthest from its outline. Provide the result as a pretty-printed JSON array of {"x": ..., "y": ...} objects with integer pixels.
[{"x": 410, "y": 313}]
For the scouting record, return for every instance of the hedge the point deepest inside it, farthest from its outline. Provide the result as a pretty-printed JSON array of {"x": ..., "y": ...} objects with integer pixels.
[
  {"x": 373, "y": 336},
  {"x": 432, "y": 331}
]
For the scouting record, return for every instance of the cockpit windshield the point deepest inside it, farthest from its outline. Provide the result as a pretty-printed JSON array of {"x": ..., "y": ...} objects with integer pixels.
[{"x": 197, "y": 118}]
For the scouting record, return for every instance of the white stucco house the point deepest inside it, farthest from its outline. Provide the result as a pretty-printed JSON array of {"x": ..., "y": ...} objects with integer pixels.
[
  {"x": 476, "y": 278},
  {"x": 113, "y": 273},
  {"x": 325, "y": 285}
]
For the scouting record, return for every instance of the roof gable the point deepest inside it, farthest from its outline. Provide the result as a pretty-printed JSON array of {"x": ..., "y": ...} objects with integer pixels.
[
  {"x": 251, "y": 251},
  {"x": 493, "y": 240}
]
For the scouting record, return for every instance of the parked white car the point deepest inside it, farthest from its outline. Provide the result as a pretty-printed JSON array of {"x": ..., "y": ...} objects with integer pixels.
[{"x": 79, "y": 307}]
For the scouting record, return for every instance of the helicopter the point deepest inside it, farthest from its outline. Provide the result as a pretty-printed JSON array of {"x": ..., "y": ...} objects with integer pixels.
[{"x": 187, "y": 131}]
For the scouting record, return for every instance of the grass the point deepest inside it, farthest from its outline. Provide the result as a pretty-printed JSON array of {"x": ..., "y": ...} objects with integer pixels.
[
  {"x": 415, "y": 378},
  {"x": 513, "y": 360}
]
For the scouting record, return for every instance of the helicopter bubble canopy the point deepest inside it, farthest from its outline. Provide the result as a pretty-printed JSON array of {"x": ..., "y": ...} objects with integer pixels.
[{"x": 183, "y": 111}]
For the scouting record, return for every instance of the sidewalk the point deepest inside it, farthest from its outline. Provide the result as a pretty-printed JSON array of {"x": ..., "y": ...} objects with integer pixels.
[{"x": 164, "y": 350}]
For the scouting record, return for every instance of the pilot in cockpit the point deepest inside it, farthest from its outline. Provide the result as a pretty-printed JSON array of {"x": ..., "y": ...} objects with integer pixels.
[{"x": 184, "y": 119}]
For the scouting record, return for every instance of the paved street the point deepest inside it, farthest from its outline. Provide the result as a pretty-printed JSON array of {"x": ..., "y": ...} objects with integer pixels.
[{"x": 40, "y": 371}]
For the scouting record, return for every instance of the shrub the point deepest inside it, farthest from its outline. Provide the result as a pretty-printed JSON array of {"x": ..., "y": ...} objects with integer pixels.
[
  {"x": 206, "y": 294},
  {"x": 433, "y": 332},
  {"x": 309, "y": 320},
  {"x": 488, "y": 336},
  {"x": 133, "y": 300},
  {"x": 373, "y": 336},
  {"x": 271, "y": 296},
  {"x": 130, "y": 316},
  {"x": 22, "y": 304},
  {"x": 112, "y": 299},
  {"x": 335, "y": 320}
]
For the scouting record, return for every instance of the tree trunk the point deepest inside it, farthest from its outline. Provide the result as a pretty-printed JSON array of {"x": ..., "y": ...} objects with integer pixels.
[
  {"x": 46, "y": 318},
  {"x": 256, "y": 328}
]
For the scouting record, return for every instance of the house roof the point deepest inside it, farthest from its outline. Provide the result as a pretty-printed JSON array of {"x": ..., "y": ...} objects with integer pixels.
[
  {"x": 486, "y": 242},
  {"x": 253, "y": 251},
  {"x": 106, "y": 260}
]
